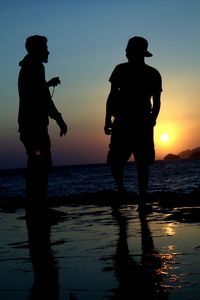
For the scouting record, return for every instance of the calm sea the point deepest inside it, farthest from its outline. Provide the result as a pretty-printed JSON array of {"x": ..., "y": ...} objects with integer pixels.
[{"x": 175, "y": 176}]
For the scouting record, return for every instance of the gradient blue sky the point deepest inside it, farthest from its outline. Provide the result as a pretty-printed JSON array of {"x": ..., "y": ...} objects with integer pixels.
[{"x": 87, "y": 39}]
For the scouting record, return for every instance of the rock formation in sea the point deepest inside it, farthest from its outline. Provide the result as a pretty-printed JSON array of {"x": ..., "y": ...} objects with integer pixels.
[{"x": 186, "y": 154}]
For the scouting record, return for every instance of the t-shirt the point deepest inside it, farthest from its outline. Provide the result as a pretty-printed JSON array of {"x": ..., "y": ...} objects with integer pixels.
[{"x": 136, "y": 85}]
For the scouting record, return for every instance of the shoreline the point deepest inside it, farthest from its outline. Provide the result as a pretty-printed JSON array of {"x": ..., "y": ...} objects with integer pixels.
[{"x": 107, "y": 197}]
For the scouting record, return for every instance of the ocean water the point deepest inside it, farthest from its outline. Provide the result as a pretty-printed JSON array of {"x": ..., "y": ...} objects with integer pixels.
[
  {"x": 174, "y": 176},
  {"x": 91, "y": 244}
]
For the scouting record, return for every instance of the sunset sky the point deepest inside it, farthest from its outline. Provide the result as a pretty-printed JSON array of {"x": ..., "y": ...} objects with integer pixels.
[{"x": 86, "y": 40}]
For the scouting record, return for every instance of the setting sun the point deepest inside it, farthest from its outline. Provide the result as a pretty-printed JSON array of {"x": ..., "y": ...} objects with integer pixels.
[{"x": 165, "y": 137}]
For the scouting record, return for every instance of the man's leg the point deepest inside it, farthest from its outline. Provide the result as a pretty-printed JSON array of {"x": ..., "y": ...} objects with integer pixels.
[
  {"x": 118, "y": 154},
  {"x": 144, "y": 155},
  {"x": 39, "y": 163},
  {"x": 37, "y": 182},
  {"x": 143, "y": 179},
  {"x": 39, "y": 228},
  {"x": 118, "y": 173}
]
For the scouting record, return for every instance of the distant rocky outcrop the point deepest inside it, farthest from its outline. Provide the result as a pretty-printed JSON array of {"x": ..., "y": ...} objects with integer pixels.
[
  {"x": 171, "y": 156},
  {"x": 186, "y": 154},
  {"x": 195, "y": 155}
]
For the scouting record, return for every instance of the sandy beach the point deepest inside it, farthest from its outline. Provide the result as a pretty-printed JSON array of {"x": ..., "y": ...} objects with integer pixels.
[{"x": 94, "y": 249}]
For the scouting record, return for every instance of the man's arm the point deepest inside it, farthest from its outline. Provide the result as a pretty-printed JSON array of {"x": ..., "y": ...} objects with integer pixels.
[
  {"x": 56, "y": 115},
  {"x": 53, "y": 82},
  {"x": 52, "y": 110},
  {"x": 156, "y": 107},
  {"x": 109, "y": 109}
]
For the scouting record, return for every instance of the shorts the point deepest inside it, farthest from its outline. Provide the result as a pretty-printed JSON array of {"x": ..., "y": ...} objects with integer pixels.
[
  {"x": 38, "y": 149},
  {"x": 138, "y": 142}
]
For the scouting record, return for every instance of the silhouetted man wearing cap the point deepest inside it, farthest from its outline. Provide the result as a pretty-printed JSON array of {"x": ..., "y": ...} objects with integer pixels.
[
  {"x": 35, "y": 108},
  {"x": 132, "y": 108}
]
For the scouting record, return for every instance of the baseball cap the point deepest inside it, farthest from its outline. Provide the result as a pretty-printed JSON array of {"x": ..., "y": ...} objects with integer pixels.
[{"x": 138, "y": 45}]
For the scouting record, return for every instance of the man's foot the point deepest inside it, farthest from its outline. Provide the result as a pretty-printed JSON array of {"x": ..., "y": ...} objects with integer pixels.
[
  {"x": 144, "y": 208},
  {"x": 119, "y": 198},
  {"x": 122, "y": 190}
]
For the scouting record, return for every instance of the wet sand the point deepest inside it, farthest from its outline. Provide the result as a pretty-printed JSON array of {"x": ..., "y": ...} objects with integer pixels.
[{"x": 93, "y": 249}]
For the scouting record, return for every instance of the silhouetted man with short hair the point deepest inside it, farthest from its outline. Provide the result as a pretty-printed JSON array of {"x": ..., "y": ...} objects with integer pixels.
[
  {"x": 35, "y": 108},
  {"x": 132, "y": 108}
]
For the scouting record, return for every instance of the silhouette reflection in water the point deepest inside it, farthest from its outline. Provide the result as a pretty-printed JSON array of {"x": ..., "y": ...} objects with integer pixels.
[
  {"x": 45, "y": 284},
  {"x": 137, "y": 280}
]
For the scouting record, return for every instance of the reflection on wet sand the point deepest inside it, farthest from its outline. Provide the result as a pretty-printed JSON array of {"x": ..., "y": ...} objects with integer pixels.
[
  {"x": 102, "y": 253},
  {"x": 143, "y": 279},
  {"x": 45, "y": 284}
]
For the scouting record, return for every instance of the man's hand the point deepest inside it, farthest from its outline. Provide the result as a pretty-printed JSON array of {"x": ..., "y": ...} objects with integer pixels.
[
  {"x": 53, "y": 82},
  {"x": 63, "y": 130},
  {"x": 108, "y": 128},
  {"x": 63, "y": 126},
  {"x": 152, "y": 120}
]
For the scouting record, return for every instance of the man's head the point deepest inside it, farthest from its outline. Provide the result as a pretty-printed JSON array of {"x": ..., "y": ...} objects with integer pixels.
[
  {"x": 36, "y": 45},
  {"x": 137, "y": 47}
]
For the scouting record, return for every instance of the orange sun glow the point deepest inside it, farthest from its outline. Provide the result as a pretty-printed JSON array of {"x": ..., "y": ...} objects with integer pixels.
[{"x": 165, "y": 137}]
